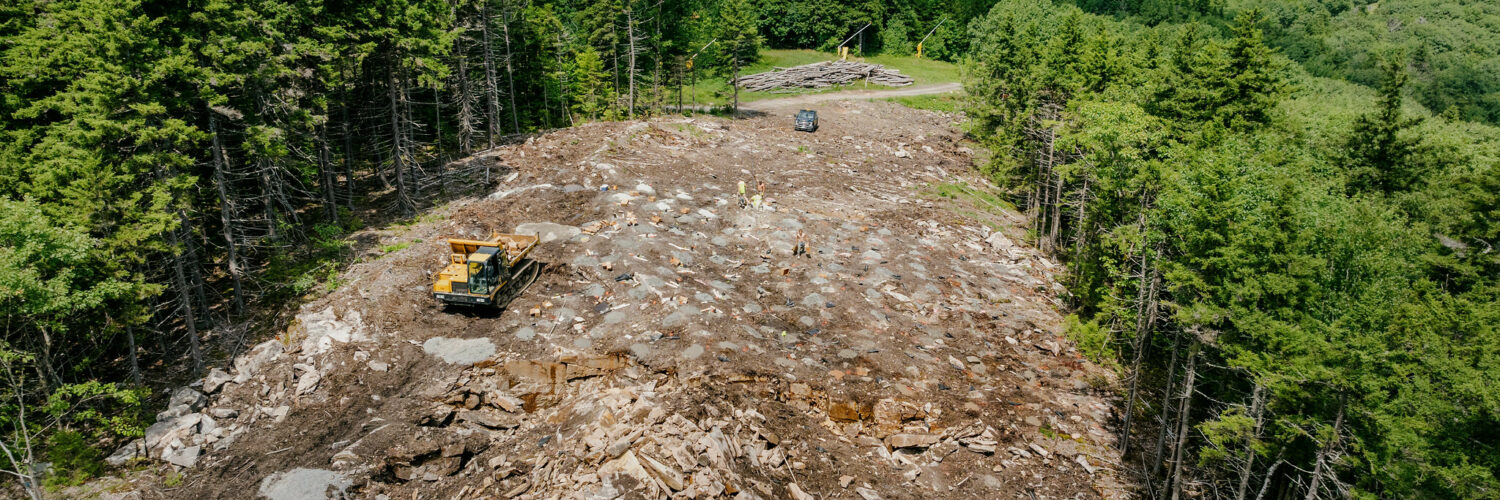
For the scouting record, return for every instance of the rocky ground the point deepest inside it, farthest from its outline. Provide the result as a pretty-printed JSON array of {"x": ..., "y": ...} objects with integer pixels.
[{"x": 676, "y": 345}]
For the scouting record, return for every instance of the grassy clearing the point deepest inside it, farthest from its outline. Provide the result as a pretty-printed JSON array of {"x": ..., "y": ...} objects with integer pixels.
[
  {"x": 946, "y": 103},
  {"x": 980, "y": 198},
  {"x": 714, "y": 90}
]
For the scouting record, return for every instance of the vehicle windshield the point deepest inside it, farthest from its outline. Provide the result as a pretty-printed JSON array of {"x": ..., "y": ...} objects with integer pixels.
[
  {"x": 805, "y": 115},
  {"x": 480, "y": 276}
]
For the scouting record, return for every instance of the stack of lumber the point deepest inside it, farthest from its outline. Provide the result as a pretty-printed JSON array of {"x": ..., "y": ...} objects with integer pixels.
[{"x": 822, "y": 74}]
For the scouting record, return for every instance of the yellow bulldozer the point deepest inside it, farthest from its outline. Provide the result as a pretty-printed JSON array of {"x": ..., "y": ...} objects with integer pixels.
[{"x": 488, "y": 273}]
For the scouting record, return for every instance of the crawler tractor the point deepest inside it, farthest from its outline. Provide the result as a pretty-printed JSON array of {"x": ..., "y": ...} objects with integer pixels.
[{"x": 487, "y": 273}]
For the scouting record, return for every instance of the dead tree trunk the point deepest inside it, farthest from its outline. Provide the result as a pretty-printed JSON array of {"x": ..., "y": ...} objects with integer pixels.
[
  {"x": 492, "y": 111},
  {"x": 1145, "y": 319},
  {"x": 135, "y": 363},
  {"x": 325, "y": 165},
  {"x": 614, "y": 58},
  {"x": 231, "y": 244},
  {"x": 630, "y": 76},
  {"x": 1317, "y": 473},
  {"x": 185, "y": 303},
  {"x": 348, "y": 151},
  {"x": 1166, "y": 406},
  {"x": 464, "y": 100},
  {"x": 195, "y": 275},
  {"x": 510, "y": 75},
  {"x": 656, "y": 87},
  {"x": 1266, "y": 484},
  {"x": 1182, "y": 420},
  {"x": 1257, "y": 410},
  {"x": 562, "y": 83},
  {"x": 398, "y": 143}
]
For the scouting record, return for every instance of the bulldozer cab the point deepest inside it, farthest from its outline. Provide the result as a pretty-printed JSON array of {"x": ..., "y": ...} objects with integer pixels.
[{"x": 486, "y": 267}]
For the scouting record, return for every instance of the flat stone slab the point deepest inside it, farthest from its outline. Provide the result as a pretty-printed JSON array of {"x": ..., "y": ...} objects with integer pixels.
[
  {"x": 459, "y": 351},
  {"x": 548, "y": 231},
  {"x": 304, "y": 484}
]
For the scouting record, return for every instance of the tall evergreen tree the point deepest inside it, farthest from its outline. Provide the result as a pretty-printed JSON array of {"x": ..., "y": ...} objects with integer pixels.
[{"x": 1381, "y": 151}]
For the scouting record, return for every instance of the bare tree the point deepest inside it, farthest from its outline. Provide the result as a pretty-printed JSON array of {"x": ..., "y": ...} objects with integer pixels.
[
  {"x": 492, "y": 110},
  {"x": 1183, "y": 417},
  {"x": 396, "y": 91},
  {"x": 1257, "y": 411},
  {"x": 18, "y": 448},
  {"x": 463, "y": 97},
  {"x": 226, "y": 205},
  {"x": 630, "y": 38},
  {"x": 510, "y": 74},
  {"x": 1320, "y": 466}
]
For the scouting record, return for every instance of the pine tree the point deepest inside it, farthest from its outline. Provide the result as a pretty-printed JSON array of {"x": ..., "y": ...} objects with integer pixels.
[
  {"x": 1257, "y": 80},
  {"x": 740, "y": 41},
  {"x": 591, "y": 95},
  {"x": 1381, "y": 152}
]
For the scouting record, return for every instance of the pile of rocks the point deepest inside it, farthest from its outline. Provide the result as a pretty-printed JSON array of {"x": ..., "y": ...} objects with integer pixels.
[{"x": 183, "y": 430}]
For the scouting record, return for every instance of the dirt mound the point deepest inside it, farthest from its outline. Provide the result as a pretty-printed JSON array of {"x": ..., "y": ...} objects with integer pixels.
[{"x": 850, "y": 335}]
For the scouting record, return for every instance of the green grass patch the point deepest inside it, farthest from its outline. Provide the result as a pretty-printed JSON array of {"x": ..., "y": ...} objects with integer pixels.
[
  {"x": 396, "y": 247},
  {"x": 979, "y": 198},
  {"x": 946, "y": 103}
]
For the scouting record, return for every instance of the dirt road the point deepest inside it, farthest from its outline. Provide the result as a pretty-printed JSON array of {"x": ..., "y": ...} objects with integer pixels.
[{"x": 805, "y": 99}]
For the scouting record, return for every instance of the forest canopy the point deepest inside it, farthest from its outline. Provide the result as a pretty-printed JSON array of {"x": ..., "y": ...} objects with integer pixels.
[{"x": 1296, "y": 275}]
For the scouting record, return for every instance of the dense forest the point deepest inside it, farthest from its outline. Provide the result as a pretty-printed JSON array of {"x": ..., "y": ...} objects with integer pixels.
[
  {"x": 1295, "y": 274},
  {"x": 1278, "y": 217}
]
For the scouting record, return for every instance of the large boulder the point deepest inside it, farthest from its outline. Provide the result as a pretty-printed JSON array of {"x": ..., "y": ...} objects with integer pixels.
[
  {"x": 216, "y": 379},
  {"x": 175, "y": 428},
  {"x": 248, "y": 365},
  {"x": 185, "y": 457},
  {"x": 186, "y": 396},
  {"x": 133, "y": 449}
]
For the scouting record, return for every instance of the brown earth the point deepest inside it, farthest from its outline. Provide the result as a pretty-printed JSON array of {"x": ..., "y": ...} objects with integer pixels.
[{"x": 674, "y": 346}]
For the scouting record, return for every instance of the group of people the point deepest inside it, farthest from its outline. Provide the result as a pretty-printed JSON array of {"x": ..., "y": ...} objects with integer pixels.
[{"x": 757, "y": 201}]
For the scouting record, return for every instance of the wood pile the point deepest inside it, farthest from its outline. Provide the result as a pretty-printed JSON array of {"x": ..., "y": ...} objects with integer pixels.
[{"x": 822, "y": 74}]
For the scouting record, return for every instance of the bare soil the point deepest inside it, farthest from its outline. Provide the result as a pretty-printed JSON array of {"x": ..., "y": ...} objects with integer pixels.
[{"x": 677, "y": 347}]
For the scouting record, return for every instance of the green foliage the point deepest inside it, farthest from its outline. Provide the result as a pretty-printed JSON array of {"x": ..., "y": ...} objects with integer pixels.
[
  {"x": 73, "y": 460},
  {"x": 592, "y": 97},
  {"x": 107, "y": 410},
  {"x": 738, "y": 35},
  {"x": 395, "y": 247},
  {"x": 1093, "y": 341},
  {"x": 1203, "y": 204},
  {"x": 1382, "y": 152}
]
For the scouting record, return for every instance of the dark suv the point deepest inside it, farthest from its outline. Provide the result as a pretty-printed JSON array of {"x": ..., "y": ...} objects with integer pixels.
[{"x": 807, "y": 121}]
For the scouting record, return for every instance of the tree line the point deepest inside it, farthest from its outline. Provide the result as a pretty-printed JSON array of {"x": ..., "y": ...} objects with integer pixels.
[{"x": 1295, "y": 275}]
